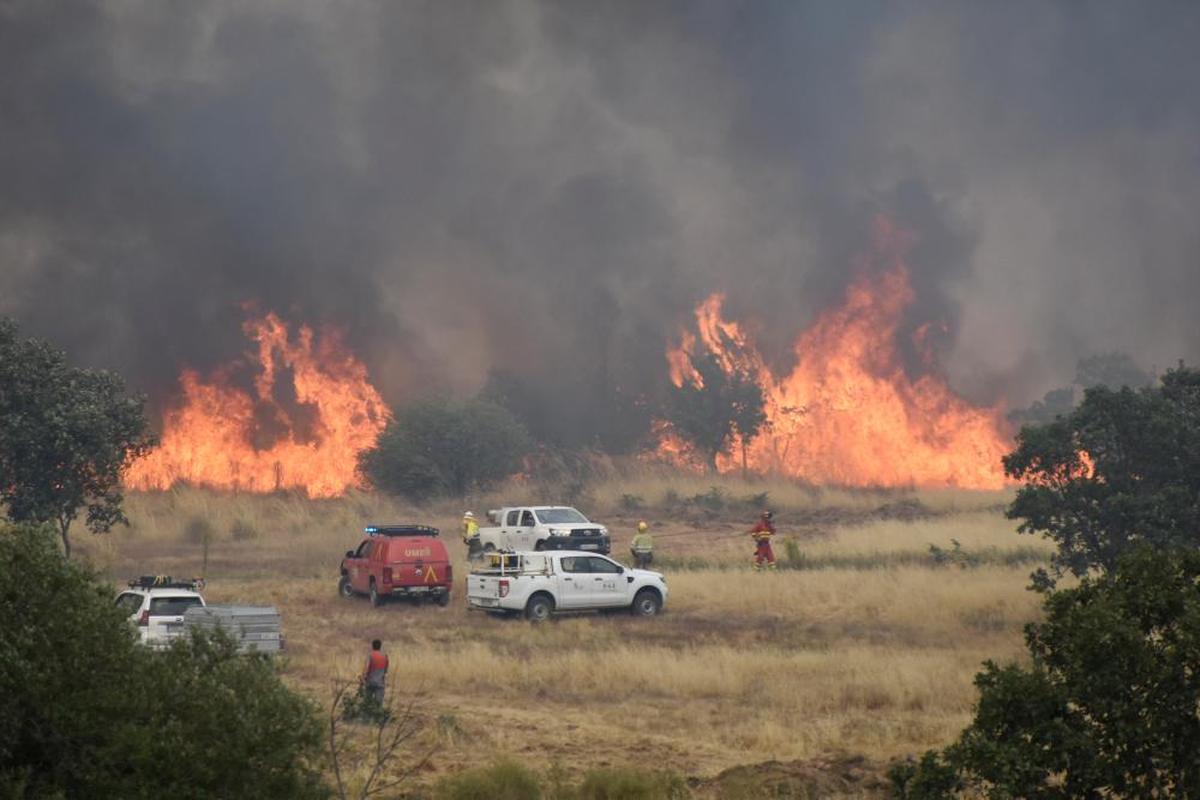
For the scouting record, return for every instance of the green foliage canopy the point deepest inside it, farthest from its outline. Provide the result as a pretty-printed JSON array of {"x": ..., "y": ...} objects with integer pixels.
[
  {"x": 440, "y": 447},
  {"x": 724, "y": 405},
  {"x": 66, "y": 434},
  {"x": 1142, "y": 484},
  {"x": 1108, "y": 706},
  {"x": 85, "y": 711}
]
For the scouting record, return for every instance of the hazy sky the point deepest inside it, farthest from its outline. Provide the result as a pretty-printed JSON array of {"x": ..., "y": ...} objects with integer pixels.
[{"x": 551, "y": 187}]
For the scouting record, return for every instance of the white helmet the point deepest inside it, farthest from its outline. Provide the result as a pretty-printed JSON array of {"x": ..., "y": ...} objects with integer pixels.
[{"x": 468, "y": 515}]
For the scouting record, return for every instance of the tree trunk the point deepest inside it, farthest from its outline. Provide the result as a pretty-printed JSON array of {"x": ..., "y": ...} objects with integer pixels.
[{"x": 63, "y": 527}]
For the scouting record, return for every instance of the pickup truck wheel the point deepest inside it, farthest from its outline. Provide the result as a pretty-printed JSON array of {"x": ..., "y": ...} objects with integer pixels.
[
  {"x": 646, "y": 604},
  {"x": 539, "y": 608},
  {"x": 376, "y": 597},
  {"x": 443, "y": 599},
  {"x": 344, "y": 587},
  {"x": 540, "y": 545}
]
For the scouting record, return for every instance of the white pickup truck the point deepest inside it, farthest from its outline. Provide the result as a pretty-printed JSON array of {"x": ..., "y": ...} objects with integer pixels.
[
  {"x": 542, "y": 528},
  {"x": 542, "y": 583}
]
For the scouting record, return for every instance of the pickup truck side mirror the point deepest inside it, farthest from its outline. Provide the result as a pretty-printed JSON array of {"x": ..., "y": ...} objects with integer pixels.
[{"x": 349, "y": 554}]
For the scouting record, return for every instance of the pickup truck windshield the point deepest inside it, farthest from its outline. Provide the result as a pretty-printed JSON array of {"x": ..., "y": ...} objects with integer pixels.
[{"x": 560, "y": 516}]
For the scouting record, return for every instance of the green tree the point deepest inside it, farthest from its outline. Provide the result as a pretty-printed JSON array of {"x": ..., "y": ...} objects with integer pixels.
[
  {"x": 66, "y": 434},
  {"x": 718, "y": 408},
  {"x": 1108, "y": 706},
  {"x": 443, "y": 447},
  {"x": 85, "y": 711},
  {"x": 1121, "y": 469}
]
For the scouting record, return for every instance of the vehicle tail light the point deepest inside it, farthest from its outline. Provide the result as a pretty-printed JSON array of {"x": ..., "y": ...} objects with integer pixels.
[
  {"x": 449, "y": 573},
  {"x": 504, "y": 588},
  {"x": 387, "y": 574},
  {"x": 144, "y": 619}
]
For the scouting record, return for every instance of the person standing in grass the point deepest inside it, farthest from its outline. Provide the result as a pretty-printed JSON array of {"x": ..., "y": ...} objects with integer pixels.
[
  {"x": 762, "y": 533},
  {"x": 374, "y": 677},
  {"x": 470, "y": 535},
  {"x": 642, "y": 547}
]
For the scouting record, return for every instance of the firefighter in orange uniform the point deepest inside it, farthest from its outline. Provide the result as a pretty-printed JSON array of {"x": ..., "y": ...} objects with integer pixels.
[
  {"x": 374, "y": 677},
  {"x": 762, "y": 533}
]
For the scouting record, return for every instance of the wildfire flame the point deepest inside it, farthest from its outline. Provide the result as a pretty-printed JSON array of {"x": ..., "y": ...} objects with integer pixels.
[
  {"x": 223, "y": 436},
  {"x": 849, "y": 413}
]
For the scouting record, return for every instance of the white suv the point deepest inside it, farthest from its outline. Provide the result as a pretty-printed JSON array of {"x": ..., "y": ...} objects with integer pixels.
[{"x": 156, "y": 604}]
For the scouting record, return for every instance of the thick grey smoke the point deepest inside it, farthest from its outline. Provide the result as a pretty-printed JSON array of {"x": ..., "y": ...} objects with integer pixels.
[{"x": 549, "y": 188}]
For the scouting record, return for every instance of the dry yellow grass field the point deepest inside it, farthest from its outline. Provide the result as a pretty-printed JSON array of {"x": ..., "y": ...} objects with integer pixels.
[{"x": 869, "y": 650}]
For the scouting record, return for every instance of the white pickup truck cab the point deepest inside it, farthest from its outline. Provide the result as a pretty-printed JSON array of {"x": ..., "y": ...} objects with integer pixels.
[
  {"x": 541, "y": 583},
  {"x": 519, "y": 528}
]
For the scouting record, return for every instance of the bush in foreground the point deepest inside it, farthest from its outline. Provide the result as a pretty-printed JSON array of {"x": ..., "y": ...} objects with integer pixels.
[
  {"x": 87, "y": 712},
  {"x": 1108, "y": 706}
]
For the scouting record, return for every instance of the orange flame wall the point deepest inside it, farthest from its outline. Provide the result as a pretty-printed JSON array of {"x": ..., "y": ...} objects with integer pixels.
[
  {"x": 849, "y": 413},
  {"x": 213, "y": 436}
]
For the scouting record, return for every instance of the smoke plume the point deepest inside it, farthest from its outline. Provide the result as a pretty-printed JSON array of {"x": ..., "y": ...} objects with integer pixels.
[{"x": 548, "y": 189}]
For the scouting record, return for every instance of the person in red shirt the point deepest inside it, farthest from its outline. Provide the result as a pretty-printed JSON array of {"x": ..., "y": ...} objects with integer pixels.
[
  {"x": 374, "y": 677},
  {"x": 762, "y": 533}
]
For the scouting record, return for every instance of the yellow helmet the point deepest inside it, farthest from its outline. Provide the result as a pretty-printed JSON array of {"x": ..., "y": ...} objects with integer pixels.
[{"x": 643, "y": 527}]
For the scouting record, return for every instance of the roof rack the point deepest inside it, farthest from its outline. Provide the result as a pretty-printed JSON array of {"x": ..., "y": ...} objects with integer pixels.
[
  {"x": 401, "y": 529},
  {"x": 165, "y": 582}
]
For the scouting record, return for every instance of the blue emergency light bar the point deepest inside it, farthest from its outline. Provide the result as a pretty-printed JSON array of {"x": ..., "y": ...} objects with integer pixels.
[{"x": 402, "y": 529}]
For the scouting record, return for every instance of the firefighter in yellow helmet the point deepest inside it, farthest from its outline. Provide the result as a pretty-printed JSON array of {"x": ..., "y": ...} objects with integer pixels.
[
  {"x": 642, "y": 547},
  {"x": 470, "y": 536}
]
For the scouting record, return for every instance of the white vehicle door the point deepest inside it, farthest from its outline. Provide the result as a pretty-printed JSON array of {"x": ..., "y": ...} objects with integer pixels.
[
  {"x": 607, "y": 582},
  {"x": 574, "y": 582},
  {"x": 525, "y": 534},
  {"x": 508, "y": 529}
]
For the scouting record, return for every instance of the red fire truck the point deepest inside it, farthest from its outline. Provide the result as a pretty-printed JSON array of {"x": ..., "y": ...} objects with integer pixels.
[{"x": 398, "y": 561}]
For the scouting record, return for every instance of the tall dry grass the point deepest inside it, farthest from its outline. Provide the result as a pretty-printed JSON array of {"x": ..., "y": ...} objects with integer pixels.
[{"x": 742, "y": 668}]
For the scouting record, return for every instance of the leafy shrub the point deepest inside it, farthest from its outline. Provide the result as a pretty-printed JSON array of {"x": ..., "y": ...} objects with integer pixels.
[
  {"x": 439, "y": 447},
  {"x": 87, "y": 712},
  {"x": 793, "y": 555},
  {"x": 1107, "y": 707},
  {"x": 955, "y": 556},
  {"x": 629, "y": 784},
  {"x": 713, "y": 500},
  {"x": 503, "y": 780}
]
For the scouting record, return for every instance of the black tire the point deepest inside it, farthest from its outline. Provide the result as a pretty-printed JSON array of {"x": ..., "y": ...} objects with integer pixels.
[
  {"x": 376, "y": 597},
  {"x": 489, "y": 548},
  {"x": 647, "y": 603},
  {"x": 443, "y": 599},
  {"x": 539, "y": 608},
  {"x": 344, "y": 587},
  {"x": 540, "y": 545}
]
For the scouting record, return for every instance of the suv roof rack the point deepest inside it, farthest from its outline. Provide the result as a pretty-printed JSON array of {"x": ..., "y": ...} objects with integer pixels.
[
  {"x": 402, "y": 529},
  {"x": 165, "y": 582}
]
